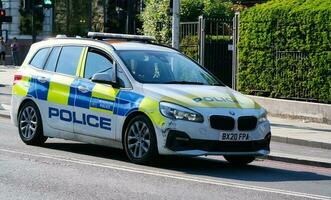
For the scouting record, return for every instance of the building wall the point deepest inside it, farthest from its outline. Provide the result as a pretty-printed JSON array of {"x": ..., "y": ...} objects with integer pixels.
[{"x": 12, "y": 7}]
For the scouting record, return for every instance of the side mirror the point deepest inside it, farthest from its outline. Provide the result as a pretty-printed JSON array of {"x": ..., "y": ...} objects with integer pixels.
[{"x": 104, "y": 78}]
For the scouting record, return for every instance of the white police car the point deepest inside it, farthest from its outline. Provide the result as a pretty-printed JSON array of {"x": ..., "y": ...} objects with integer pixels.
[{"x": 125, "y": 92}]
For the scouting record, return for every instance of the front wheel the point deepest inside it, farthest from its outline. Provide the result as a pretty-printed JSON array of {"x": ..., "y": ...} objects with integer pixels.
[
  {"x": 140, "y": 140},
  {"x": 30, "y": 126},
  {"x": 239, "y": 160}
]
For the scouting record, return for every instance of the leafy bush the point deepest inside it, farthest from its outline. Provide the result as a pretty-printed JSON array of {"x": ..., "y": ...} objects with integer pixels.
[
  {"x": 189, "y": 46},
  {"x": 156, "y": 13},
  {"x": 285, "y": 49}
]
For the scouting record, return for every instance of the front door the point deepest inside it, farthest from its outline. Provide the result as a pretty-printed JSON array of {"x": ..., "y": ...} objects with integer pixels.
[{"x": 94, "y": 102}]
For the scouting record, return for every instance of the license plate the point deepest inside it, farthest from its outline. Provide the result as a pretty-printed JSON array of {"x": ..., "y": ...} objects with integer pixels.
[{"x": 234, "y": 137}]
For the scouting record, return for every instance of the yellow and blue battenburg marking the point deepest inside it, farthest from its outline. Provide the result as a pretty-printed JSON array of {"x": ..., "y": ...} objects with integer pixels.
[{"x": 96, "y": 96}]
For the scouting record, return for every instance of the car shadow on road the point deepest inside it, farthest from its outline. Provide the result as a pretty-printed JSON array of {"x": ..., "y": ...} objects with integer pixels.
[{"x": 258, "y": 171}]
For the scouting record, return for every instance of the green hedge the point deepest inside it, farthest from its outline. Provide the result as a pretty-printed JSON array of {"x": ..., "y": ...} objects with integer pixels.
[
  {"x": 285, "y": 49},
  {"x": 189, "y": 45}
]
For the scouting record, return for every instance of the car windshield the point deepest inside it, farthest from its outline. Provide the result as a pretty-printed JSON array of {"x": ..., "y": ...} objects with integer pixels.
[{"x": 161, "y": 67}]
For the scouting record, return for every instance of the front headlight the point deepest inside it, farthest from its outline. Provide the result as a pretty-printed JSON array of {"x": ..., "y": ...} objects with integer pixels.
[
  {"x": 263, "y": 116},
  {"x": 174, "y": 111}
]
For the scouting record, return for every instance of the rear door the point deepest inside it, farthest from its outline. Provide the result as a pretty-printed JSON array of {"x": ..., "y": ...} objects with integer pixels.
[
  {"x": 95, "y": 101},
  {"x": 39, "y": 81},
  {"x": 61, "y": 68}
]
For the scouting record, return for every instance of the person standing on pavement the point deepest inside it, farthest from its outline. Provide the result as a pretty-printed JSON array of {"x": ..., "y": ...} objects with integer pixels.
[
  {"x": 14, "y": 51},
  {"x": 2, "y": 52}
]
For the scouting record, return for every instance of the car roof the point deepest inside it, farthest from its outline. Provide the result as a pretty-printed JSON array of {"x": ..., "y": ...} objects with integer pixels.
[
  {"x": 115, "y": 44},
  {"x": 132, "y": 45}
]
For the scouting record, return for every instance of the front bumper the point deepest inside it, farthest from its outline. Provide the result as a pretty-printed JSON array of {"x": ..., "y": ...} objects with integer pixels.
[{"x": 181, "y": 143}]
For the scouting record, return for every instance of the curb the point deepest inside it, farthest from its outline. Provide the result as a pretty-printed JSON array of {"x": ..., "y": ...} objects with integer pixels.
[
  {"x": 300, "y": 142},
  {"x": 303, "y": 161}
]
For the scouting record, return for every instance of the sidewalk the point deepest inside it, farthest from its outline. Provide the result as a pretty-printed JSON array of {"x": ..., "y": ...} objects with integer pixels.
[
  {"x": 295, "y": 141},
  {"x": 301, "y": 132},
  {"x": 6, "y": 80}
]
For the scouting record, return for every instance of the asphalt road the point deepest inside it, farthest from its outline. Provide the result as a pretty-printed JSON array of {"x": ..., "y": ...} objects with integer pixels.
[{"x": 69, "y": 170}]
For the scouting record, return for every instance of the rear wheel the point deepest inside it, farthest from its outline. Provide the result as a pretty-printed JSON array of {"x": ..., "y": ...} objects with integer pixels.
[
  {"x": 140, "y": 141},
  {"x": 30, "y": 126},
  {"x": 239, "y": 160}
]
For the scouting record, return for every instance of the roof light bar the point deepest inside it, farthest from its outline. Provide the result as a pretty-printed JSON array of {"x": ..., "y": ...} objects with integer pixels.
[
  {"x": 99, "y": 35},
  {"x": 61, "y": 36}
]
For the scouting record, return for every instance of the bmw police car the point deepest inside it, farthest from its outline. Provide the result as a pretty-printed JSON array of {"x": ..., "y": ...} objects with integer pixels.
[{"x": 124, "y": 91}]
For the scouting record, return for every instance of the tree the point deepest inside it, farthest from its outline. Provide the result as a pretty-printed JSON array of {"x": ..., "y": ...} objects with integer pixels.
[
  {"x": 26, "y": 20},
  {"x": 72, "y": 17},
  {"x": 156, "y": 21}
]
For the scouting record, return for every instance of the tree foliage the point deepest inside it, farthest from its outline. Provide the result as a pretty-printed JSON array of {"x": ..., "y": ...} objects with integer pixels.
[
  {"x": 285, "y": 48},
  {"x": 26, "y": 20},
  {"x": 156, "y": 13},
  {"x": 156, "y": 21}
]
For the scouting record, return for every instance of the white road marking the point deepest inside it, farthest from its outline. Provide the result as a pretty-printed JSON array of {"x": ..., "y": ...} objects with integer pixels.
[{"x": 173, "y": 176}]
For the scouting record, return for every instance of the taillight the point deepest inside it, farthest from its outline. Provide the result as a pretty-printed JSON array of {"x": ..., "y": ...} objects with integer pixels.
[{"x": 17, "y": 78}]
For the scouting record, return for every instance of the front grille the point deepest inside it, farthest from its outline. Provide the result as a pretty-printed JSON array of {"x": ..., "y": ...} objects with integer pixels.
[
  {"x": 222, "y": 122},
  {"x": 247, "y": 123}
]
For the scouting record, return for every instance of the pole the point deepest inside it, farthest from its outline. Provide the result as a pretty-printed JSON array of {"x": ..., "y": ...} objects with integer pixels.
[
  {"x": 1, "y": 21},
  {"x": 235, "y": 57},
  {"x": 175, "y": 24},
  {"x": 202, "y": 37},
  {"x": 33, "y": 22}
]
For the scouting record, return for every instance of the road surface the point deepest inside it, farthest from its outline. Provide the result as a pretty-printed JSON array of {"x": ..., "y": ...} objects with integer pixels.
[{"x": 70, "y": 170}]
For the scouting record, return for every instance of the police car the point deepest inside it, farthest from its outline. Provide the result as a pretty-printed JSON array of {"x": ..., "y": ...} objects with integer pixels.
[{"x": 123, "y": 91}]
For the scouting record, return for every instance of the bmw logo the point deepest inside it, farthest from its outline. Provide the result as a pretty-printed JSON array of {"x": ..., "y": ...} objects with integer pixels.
[{"x": 232, "y": 113}]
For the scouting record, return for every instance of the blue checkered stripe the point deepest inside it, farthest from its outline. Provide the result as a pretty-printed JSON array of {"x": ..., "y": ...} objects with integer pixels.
[{"x": 125, "y": 101}]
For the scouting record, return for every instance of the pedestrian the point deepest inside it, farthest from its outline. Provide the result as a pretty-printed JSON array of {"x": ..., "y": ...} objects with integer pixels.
[
  {"x": 14, "y": 51},
  {"x": 2, "y": 52}
]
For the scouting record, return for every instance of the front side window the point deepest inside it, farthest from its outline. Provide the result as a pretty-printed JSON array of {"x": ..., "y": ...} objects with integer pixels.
[
  {"x": 122, "y": 79},
  {"x": 161, "y": 67},
  {"x": 97, "y": 62},
  {"x": 69, "y": 59},
  {"x": 39, "y": 58}
]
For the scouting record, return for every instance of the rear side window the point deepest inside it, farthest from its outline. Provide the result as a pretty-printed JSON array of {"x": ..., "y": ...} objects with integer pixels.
[
  {"x": 52, "y": 59},
  {"x": 68, "y": 60},
  {"x": 39, "y": 58}
]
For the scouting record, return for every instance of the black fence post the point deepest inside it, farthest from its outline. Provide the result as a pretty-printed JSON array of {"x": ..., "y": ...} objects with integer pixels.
[
  {"x": 235, "y": 50},
  {"x": 202, "y": 37}
]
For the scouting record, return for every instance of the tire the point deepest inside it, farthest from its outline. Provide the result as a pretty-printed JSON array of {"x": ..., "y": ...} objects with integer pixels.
[
  {"x": 239, "y": 160},
  {"x": 139, "y": 140},
  {"x": 30, "y": 127}
]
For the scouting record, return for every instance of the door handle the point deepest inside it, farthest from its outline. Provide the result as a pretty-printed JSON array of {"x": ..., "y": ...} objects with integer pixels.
[
  {"x": 42, "y": 79},
  {"x": 83, "y": 89}
]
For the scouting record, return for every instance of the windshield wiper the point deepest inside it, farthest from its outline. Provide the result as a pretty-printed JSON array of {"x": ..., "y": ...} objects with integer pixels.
[{"x": 184, "y": 82}]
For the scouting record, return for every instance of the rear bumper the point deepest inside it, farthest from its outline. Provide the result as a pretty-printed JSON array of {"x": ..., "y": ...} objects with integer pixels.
[{"x": 180, "y": 143}]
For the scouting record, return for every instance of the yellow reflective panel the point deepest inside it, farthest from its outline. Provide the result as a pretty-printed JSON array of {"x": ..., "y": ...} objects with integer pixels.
[
  {"x": 21, "y": 88},
  {"x": 151, "y": 108},
  {"x": 104, "y": 91},
  {"x": 59, "y": 89},
  {"x": 81, "y": 63},
  {"x": 218, "y": 100},
  {"x": 101, "y": 110}
]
